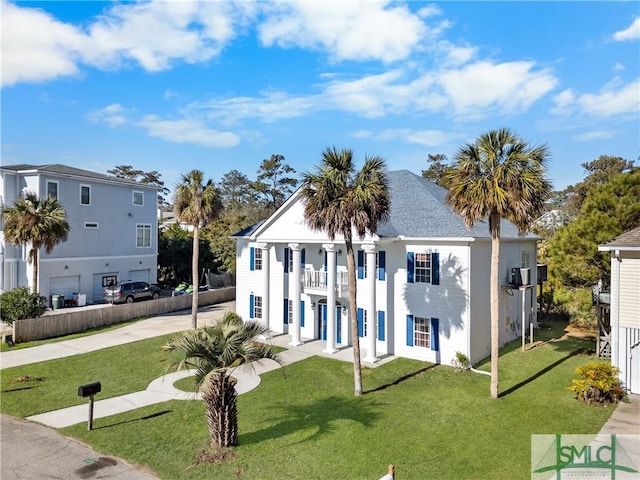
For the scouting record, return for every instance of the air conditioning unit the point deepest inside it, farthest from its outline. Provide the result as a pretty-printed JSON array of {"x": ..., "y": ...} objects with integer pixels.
[{"x": 521, "y": 276}]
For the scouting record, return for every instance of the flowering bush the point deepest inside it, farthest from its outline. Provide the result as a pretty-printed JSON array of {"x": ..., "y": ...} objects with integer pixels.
[{"x": 597, "y": 382}]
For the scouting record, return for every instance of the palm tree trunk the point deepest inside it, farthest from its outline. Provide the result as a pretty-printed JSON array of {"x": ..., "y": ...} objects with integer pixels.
[
  {"x": 494, "y": 227},
  {"x": 34, "y": 259},
  {"x": 194, "y": 277},
  {"x": 221, "y": 402},
  {"x": 353, "y": 309}
]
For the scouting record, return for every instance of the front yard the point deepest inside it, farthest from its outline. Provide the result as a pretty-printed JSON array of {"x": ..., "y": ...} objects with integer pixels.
[{"x": 430, "y": 421}]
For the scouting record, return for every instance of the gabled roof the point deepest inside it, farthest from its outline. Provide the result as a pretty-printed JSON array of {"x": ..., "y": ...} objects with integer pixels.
[
  {"x": 419, "y": 209},
  {"x": 630, "y": 239},
  {"x": 64, "y": 170}
]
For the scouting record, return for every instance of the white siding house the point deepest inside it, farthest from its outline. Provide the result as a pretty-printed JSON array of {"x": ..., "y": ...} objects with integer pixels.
[
  {"x": 625, "y": 307},
  {"x": 113, "y": 231},
  {"x": 423, "y": 280}
]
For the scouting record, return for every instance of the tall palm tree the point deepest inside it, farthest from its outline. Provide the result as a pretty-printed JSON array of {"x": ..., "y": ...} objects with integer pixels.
[
  {"x": 339, "y": 200},
  {"x": 36, "y": 222},
  {"x": 214, "y": 351},
  {"x": 196, "y": 204},
  {"x": 498, "y": 176}
]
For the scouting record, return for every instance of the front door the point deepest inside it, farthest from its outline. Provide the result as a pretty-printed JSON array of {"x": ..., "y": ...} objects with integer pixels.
[{"x": 322, "y": 322}]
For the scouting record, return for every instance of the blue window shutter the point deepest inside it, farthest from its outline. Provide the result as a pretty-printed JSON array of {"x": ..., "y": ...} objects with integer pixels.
[
  {"x": 339, "y": 324},
  {"x": 285, "y": 261},
  {"x": 435, "y": 334},
  {"x": 410, "y": 264},
  {"x": 251, "y": 306},
  {"x": 410, "y": 330},
  {"x": 302, "y": 255},
  {"x": 252, "y": 259},
  {"x": 302, "y": 313},
  {"x": 360, "y": 322},
  {"x": 325, "y": 260},
  {"x": 286, "y": 311},
  {"x": 435, "y": 268},
  {"x": 381, "y": 265},
  {"x": 360, "y": 263},
  {"x": 381, "y": 326}
]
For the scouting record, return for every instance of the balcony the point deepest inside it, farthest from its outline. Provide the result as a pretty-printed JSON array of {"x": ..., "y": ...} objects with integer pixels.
[{"x": 315, "y": 282}]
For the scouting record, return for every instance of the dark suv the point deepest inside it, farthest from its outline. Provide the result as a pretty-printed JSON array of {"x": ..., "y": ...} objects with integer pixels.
[{"x": 129, "y": 291}]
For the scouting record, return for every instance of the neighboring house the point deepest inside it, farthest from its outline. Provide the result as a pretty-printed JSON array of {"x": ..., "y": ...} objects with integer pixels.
[
  {"x": 112, "y": 237},
  {"x": 423, "y": 280},
  {"x": 625, "y": 306}
]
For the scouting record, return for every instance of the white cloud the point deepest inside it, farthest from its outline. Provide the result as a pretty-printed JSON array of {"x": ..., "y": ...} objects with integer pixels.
[
  {"x": 510, "y": 87},
  {"x": 594, "y": 135},
  {"x": 630, "y": 33},
  {"x": 113, "y": 115},
  {"x": 614, "y": 98},
  {"x": 36, "y": 47},
  {"x": 368, "y": 30},
  {"x": 427, "y": 138},
  {"x": 187, "y": 131}
]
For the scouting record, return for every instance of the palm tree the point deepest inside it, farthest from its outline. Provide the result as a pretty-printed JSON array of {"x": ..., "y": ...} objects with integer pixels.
[
  {"x": 498, "y": 176},
  {"x": 38, "y": 222},
  {"x": 214, "y": 351},
  {"x": 196, "y": 204},
  {"x": 339, "y": 200}
]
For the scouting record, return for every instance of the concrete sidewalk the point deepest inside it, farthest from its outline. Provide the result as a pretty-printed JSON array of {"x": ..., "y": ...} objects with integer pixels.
[
  {"x": 162, "y": 390},
  {"x": 142, "y": 330}
]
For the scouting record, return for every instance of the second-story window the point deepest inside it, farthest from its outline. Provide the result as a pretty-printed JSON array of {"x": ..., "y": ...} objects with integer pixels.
[
  {"x": 138, "y": 199},
  {"x": 257, "y": 259},
  {"x": 143, "y": 235},
  {"x": 52, "y": 190},
  {"x": 85, "y": 195}
]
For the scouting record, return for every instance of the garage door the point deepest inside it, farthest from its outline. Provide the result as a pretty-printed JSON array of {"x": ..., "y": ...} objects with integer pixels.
[
  {"x": 139, "y": 275},
  {"x": 67, "y": 285}
]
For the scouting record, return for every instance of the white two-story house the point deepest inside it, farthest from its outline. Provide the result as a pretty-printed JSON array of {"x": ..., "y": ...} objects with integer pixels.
[
  {"x": 423, "y": 287},
  {"x": 113, "y": 231}
]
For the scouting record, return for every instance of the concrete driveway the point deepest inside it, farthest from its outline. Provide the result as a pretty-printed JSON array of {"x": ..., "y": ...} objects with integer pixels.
[{"x": 32, "y": 451}]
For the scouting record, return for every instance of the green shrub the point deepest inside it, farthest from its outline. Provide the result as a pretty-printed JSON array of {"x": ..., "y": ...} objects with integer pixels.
[
  {"x": 19, "y": 303},
  {"x": 597, "y": 382},
  {"x": 461, "y": 361}
]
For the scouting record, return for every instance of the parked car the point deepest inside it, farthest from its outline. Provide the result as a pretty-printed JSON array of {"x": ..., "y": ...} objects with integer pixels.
[{"x": 130, "y": 291}]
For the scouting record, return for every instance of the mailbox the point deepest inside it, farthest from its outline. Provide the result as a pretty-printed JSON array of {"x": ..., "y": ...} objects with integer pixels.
[{"x": 89, "y": 389}]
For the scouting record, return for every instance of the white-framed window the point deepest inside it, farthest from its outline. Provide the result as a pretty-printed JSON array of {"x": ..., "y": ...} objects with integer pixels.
[
  {"x": 52, "y": 189},
  {"x": 138, "y": 198},
  {"x": 257, "y": 259},
  {"x": 422, "y": 332},
  {"x": 257, "y": 307},
  {"x": 85, "y": 194},
  {"x": 525, "y": 258},
  {"x": 143, "y": 235},
  {"x": 290, "y": 261},
  {"x": 91, "y": 225},
  {"x": 423, "y": 268},
  {"x": 290, "y": 311}
]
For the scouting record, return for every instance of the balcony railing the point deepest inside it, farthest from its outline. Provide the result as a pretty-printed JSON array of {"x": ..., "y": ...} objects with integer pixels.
[{"x": 317, "y": 280}]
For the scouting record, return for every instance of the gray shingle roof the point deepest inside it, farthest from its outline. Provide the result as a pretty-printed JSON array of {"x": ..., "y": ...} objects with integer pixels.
[
  {"x": 65, "y": 170},
  {"x": 627, "y": 239},
  {"x": 419, "y": 209}
]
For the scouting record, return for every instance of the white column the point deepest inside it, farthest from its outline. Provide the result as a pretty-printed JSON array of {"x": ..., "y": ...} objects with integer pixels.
[
  {"x": 265, "y": 247},
  {"x": 370, "y": 254},
  {"x": 331, "y": 298},
  {"x": 294, "y": 294}
]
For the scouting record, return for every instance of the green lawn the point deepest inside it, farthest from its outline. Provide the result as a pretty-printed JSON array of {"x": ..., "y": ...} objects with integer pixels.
[{"x": 432, "y": 422}]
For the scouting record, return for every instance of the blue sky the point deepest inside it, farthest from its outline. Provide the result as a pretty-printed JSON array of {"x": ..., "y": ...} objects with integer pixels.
[{"x": 177, "y": 85}]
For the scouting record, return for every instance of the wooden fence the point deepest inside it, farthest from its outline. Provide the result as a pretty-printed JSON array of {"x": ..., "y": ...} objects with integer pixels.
[{"x": 81, "y": 319}]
